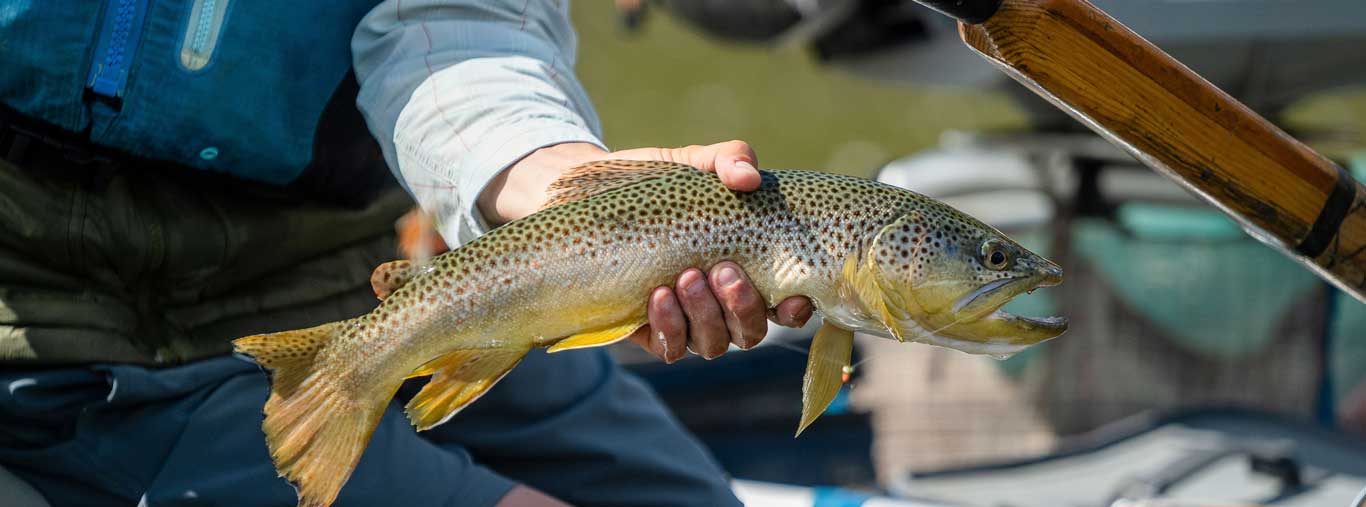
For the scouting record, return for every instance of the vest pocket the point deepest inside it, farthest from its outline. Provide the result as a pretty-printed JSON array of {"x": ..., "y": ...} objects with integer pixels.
[{"x": 201, "y": 33}]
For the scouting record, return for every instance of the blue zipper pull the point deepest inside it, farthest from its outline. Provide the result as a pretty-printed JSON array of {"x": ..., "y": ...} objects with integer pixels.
[{"x": 118, "y": 40}]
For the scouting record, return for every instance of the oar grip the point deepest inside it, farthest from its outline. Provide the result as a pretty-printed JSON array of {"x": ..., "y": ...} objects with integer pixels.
[{"x": 1133, "y": 93}]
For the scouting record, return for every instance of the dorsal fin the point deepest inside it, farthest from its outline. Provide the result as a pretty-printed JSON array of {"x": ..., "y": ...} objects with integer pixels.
[
  {"x": 388, "y": 277},
  {"x": 595, "y": 178}
]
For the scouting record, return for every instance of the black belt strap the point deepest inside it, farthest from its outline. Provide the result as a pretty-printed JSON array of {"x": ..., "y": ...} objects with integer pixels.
[{"x": 24, "y": 141}]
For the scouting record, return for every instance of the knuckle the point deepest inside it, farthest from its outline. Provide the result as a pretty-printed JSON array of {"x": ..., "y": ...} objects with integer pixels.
[
  {"x": 675, "y": 322},
  {"x": 754, "y": 339},
  {"x": 674, "y": 154},
  {"x": 756, "y": 324},
  {"x": 688, "y": 302},
  {"x": 742, "y": 339},
  {"x": 785, "y": 317},
  {"x": 752, "y": 317},
  {"x": 710, "y": 346},
  {"x": 752, "y": 330},
  {"x": 704, "y": 295},
  {"x": 750, "y": 343},
  {"x": 691, "y": 284},
  {"x": 794, "y": 312},
  {"x": 667, "y": 330},
  {"x": 697, "y": 309},
  {"x": 741, "y": 297}
]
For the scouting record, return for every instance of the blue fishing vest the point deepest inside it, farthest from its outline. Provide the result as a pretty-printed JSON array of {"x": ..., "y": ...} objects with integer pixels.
[{"x": 260, "y": 90}]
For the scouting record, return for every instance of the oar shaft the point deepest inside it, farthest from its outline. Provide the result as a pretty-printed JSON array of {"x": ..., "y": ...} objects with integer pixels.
[{"x": 1133, "y": 93}]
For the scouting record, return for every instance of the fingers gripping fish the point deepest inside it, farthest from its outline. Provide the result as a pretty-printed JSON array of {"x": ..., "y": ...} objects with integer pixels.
[{"x": 871, "y": 257}]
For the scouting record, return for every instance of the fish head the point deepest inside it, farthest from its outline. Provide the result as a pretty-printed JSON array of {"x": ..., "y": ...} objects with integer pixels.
[{"x": 943, "y": 276}]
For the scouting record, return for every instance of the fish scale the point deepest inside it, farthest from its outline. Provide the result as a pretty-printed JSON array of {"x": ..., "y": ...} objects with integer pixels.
[{"x": 871, "y": 257}]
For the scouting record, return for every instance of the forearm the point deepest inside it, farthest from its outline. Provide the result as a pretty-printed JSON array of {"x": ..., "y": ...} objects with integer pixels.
[{"x": 457, "y": 91}]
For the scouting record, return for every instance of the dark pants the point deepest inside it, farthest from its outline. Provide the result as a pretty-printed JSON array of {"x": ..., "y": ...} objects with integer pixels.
[
  {"x": 572, "y": 424},
  {"x": 119, "y": 289}
]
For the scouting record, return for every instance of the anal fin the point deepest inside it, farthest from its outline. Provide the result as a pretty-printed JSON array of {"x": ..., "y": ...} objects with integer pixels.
[
  {"x": 458, "y": 378},
  {"x": 600, "y": 337},
  {"x": 825, "y": 370}
]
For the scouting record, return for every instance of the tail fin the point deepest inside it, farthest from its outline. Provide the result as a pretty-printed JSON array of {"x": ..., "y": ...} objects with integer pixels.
[{"x": 316, "y": 428}]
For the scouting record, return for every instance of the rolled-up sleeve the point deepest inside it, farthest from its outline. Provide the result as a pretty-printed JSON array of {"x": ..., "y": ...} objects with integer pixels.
[{"x": 458, "y": 90}]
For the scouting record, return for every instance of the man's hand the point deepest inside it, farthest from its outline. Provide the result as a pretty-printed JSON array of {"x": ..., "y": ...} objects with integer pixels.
[
  {"x": 702, "y": 312},
  {"x": 520, "y": 190}
]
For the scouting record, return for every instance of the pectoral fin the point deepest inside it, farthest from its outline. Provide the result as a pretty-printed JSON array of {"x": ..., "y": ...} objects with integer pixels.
[
  {"x": 894, "y": 301},
  {"x": 600, "y": 337},
  {"x": 862, "y": 274},
  {"x": 825, "y": 366}
]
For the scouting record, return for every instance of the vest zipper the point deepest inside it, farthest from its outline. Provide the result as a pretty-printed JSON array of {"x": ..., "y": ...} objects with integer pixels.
[
  {"x": 201, "y": 33},
  {"x": 118, "y": 40}
]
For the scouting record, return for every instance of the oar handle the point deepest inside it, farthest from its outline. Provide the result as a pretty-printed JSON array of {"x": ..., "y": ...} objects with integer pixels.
[{"x": 1167, "y": 116}]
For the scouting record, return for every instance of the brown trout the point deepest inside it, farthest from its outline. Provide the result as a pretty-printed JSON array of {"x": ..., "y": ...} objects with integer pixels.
[{"x": 872, "y": 258}]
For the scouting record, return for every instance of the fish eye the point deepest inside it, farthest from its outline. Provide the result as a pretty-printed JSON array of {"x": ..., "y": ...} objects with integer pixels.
[{"x": 994, "y": 255}]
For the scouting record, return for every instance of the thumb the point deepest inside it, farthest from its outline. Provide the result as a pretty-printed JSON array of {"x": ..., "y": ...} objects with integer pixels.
[{"x": 733, "y": 161}]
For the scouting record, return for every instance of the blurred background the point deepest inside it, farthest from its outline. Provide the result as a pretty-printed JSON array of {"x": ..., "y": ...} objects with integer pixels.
[
  {"x": 1201, "y": 364},
  {"x": 797, "y": 112}
]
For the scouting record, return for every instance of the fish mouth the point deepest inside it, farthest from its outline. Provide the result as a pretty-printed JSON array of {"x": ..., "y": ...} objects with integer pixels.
[
  {"x": 984, "y": 305},
  {"x": 986, "y": 293}
]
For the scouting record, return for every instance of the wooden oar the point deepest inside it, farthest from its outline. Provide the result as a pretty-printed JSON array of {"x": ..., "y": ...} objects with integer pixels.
[{"x": 1171, "y": 119}]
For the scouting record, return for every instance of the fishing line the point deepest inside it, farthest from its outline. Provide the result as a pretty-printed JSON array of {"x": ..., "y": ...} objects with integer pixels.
[
  {"x": 854, "y": 367},
  {"x": 849, "y": 369},
  {"x": 789, "y": 346}
]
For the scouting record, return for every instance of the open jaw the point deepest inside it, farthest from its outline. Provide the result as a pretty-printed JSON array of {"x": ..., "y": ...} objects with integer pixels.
[{"x": 981, "y": 327}]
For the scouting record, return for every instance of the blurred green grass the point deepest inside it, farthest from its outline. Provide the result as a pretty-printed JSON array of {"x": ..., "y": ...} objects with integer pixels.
[
  {"x": 669, "y": 86},
  {"x": 1333, "y": 123}
]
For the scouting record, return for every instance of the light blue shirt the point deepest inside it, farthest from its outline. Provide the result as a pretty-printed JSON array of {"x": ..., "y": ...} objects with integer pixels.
[{"x": 458, "y": 90}]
